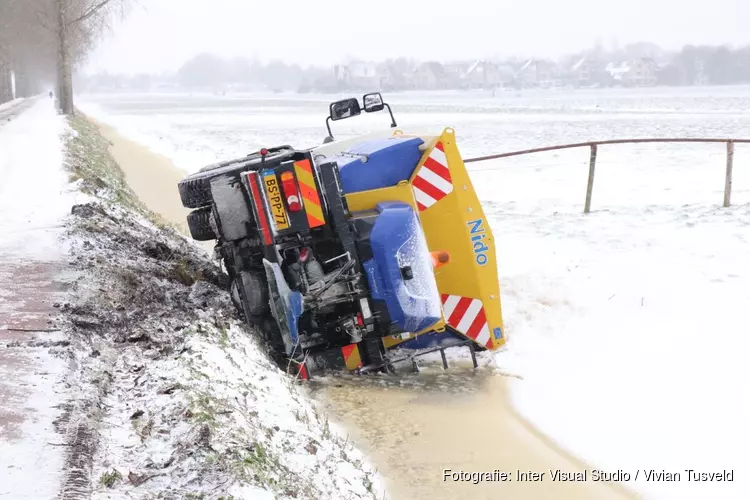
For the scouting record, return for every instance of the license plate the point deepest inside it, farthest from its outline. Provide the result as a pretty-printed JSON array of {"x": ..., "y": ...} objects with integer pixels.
[{"x": 276, "y": 200}]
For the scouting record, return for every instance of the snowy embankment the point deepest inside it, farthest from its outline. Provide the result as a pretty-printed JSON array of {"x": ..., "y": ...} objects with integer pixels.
[{"x": 173, "y": 397}]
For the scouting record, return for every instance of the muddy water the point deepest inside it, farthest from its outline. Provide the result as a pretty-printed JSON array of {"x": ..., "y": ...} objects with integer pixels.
[
  {"x": 415, "y": 426},
  {"x": 152, "y": 177},
  {"x": 411, "y": 426}
]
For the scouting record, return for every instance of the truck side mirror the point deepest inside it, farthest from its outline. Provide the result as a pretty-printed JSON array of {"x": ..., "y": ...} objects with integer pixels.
[
  {"x": 373, "y": 102},
  {"x": 347, "y": 108}
]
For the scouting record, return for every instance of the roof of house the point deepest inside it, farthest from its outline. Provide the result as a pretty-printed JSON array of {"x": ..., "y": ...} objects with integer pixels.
[
  {"x": 578, "y": 64},
  {"x": 436, "y": 68},
  {"x": 477, "y": 66},
  {"x": 502, "y": 70}
]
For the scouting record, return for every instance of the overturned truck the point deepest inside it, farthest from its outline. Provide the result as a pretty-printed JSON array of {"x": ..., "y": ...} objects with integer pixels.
[{"x": 355, "y": 254}]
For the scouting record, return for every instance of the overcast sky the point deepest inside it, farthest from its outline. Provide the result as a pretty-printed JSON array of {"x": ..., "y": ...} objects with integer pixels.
[{"x": 162, "y": 34}]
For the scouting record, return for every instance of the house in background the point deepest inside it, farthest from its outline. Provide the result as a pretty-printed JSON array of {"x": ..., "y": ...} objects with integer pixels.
[
  {"x": 363, "y": 75},
  {"x": 357, "y": 75},
  {"x": 618, "y": 72},
  {"x": 488, "y": 75},
  {"x": 388, "y": 79},
  {"x": 641, "y": 72},
  {"x": 430, "y": 76},
  {"x": 583, "y": 73},
  {"x": 454, "y": 74},
  {"x": 527, "y": 74},
  {"x": 504, "y": 76},
  {"x": 476, "y": 75},
  {"x": 539, "y": 73},
  {"x": 341, "y": 75}
]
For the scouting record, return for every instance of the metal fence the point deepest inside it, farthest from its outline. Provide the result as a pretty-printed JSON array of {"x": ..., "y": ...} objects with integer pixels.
[{"x": 594, "y": 146}]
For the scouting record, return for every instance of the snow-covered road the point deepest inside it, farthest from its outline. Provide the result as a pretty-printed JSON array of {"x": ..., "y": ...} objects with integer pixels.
[{"x": 33, "y": 203}]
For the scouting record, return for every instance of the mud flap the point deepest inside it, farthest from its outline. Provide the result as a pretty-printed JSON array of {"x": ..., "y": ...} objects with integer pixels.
[
  {"x": 348, "y": 357},
  {"x": 286, "y": 306}
]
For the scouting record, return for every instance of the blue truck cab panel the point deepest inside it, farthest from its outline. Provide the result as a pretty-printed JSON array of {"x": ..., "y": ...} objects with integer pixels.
[
  {"x": 387, "y": 162},
  {"x": 400, "y": 272}
]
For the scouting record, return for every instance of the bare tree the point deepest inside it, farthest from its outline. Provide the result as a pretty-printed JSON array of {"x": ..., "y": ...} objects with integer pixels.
[
  {"x": 75, "y": 26},
  {"x": 41, "y": 40},
  {"x": 25, "y": 49},
  {"x": 5, "y": 52}
]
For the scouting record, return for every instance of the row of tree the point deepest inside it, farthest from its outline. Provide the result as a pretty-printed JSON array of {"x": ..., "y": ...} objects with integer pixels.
[
  {"x": 714, "y": 65},
  {"x": 42, "y": 40},
  {"x": 209, "y": 70},
  {"x": 692, "y": 65}
]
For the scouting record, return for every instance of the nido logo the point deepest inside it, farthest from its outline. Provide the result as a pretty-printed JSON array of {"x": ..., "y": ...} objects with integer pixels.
[{"x": 478, "y": 234}]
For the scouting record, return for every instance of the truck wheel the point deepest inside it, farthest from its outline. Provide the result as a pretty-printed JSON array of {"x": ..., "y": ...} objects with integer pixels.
[
  {"x": 195, "y": 192},
  {"x": 254, "y": 291},
  {"x": 199, "y": 223},
  {"x": 195, "y": 189}
]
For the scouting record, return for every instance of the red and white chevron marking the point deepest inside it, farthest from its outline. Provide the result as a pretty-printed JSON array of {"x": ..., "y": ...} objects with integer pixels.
[
  {"x": 467, "y": 316},
  {"x": 433, "y": 181}
]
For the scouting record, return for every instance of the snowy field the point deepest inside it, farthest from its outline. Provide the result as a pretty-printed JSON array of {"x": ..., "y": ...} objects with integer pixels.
[{"x": 628, "y": 325}]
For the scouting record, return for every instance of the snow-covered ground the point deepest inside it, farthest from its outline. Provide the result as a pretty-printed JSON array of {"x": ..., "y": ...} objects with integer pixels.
[
  {"x": 628, "y": 324},
  {"x": 629, "y": 328},
  {"x": 34, "y": 193},
  {"x": 10, "y": 104},
  {"x": 34, "y": 199}
]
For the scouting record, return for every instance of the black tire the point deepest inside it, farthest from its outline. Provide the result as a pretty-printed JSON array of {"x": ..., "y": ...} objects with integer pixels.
[
  {"x": 199, "y": 223},
  {"x": 195, "y": 189},
  {"x": 195, "y": 192},
  {"x": 255, "y": 309},
  {"x": 254, "y": 293}
]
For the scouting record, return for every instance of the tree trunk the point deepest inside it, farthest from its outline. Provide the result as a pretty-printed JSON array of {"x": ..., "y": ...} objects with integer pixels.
[
  {"x": 22, "y": 81},
  {"x": 64, "y": 70},
  {"x": 6, "y": 92}
]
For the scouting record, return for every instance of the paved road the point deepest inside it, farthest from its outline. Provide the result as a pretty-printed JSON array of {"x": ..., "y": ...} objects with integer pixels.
[
  {"x": 32, "y": 280},
  {"x": 7, "y": 115}
]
